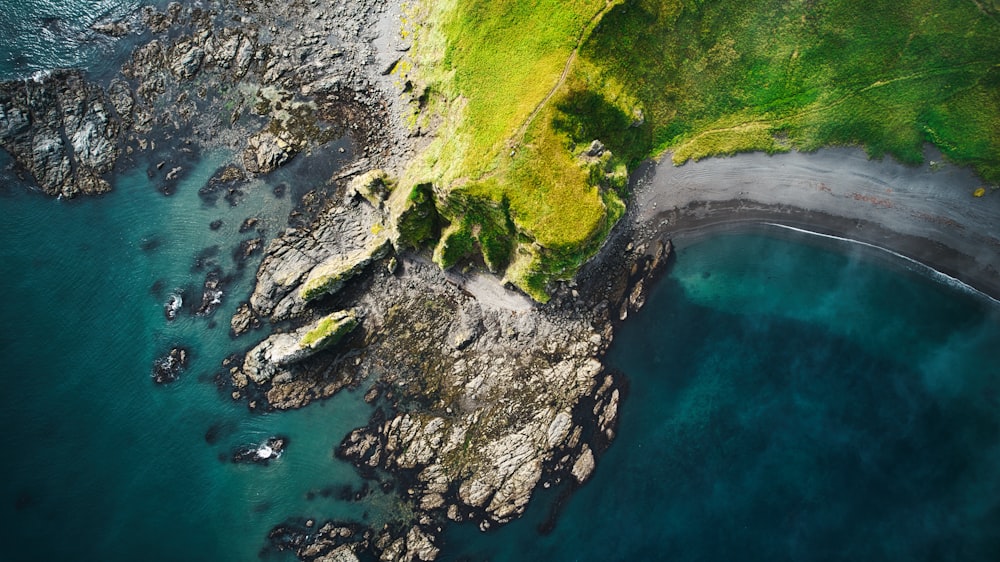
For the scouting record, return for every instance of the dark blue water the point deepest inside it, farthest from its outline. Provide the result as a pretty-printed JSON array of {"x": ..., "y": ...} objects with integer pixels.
[{"x": 790, "y": 399}]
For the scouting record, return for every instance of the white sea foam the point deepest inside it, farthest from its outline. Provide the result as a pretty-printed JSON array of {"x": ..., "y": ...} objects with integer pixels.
[{"x": 933, "y": 273}]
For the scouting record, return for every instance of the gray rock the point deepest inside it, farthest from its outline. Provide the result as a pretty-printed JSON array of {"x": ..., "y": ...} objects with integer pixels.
[
  {"x": 186, "y": 60},
  {"x": 267, "y": 151}
]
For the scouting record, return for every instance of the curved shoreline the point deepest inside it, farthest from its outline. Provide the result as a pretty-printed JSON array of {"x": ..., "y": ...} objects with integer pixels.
[{"x": 926, "y": 214}]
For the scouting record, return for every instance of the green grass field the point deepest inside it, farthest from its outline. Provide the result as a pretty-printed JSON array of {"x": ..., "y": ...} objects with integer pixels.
[
  {"x": 723, "y": 77},
  {"x": 516, "y": 90}
]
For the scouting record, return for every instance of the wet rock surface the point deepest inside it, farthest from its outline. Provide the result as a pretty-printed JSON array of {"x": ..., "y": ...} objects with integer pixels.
[
  {"x": 168, "y": 368},
  {"x": 262, "y": 453},
  {"x": 482, "y": 395},
  {"x": 267, "y": 80},
  {"x": 63, "y": 131},
  {"x": 174, "y": 304}
]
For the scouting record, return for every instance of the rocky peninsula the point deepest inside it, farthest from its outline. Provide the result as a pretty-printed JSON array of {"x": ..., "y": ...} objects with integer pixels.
[{"x": 481, "y": 395}]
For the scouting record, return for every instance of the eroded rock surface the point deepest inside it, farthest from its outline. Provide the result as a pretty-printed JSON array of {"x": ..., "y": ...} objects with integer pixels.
[
  {"x": 481, "y": 395},
  {"x": 267, "y": 80}
]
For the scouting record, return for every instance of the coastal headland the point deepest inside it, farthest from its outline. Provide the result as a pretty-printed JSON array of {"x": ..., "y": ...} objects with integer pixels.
[{"x": 387, "y": 279}]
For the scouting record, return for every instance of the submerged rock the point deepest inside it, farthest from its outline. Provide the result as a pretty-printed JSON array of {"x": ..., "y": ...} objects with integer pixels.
[
  {"x": 263, "y": 453},
  {"x": 168, "y": 368},
  {"x": 173, "y": 305}
]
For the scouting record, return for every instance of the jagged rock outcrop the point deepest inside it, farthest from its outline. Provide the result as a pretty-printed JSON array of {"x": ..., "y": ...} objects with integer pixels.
[
  {"x": 281, "y": 350},
  {"x": 168, "y": 368},
  {"x": 485, "y": 396},
  {"x": 68, "y": 133},
  {"x": 267, "y": 151},
  {"x": 63, "y": 131},
  {"x": 347, "y": 239}
]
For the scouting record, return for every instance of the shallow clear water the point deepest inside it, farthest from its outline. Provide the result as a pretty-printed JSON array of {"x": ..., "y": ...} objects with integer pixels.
[
  {"x": 101, "y": 463},
  {"x": 790, "y": 399}
]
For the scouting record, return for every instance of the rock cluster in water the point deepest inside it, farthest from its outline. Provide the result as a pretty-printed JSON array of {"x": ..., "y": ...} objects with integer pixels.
[
  {"x": 168, "y": 368},
  {"x": 262, "y": 453},
  {"x": 482, "y": 395},
  {"x": 287, "y": 77}
]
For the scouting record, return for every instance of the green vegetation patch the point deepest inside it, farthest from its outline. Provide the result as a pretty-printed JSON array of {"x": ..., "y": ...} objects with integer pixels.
[
  {"x": 329, "y": 330},
  {"x": 414, "y": 215},
  {"x": 722, "y": 77},
  {"x": 518, "y": 91}
]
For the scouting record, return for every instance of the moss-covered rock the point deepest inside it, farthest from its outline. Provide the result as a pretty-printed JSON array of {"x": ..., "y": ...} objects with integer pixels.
[
  {"x": 373, "y": 186},
  {"x": 478, "y": 226},
  {"x": 329, "y": 330},
  {"x": 414, "y": 217},
  {"x": 455, "y": 244},
  {"x": 331, "y": 275}
]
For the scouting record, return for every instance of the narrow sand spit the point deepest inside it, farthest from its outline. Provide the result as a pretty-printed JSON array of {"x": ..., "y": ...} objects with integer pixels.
[{"x": 927, "y": 213}]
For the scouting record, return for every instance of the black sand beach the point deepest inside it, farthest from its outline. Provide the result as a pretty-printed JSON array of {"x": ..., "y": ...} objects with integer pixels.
[{"x": 927, "y": 213}]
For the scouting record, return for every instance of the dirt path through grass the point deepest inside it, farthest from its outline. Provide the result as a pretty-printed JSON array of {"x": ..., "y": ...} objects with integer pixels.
[
  {"x": 519, "y": 135},
  {"x": 840, "y": 101}
]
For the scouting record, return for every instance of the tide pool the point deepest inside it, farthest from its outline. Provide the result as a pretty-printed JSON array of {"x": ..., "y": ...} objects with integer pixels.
[{"x": 791, "y": 398}]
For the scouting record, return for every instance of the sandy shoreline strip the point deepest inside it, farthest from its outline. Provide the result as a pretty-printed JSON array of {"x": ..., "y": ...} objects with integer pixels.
[{"x": 924, "y": 213}]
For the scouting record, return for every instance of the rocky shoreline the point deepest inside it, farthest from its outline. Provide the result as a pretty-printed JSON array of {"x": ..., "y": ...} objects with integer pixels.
[
  {"x": 269, "y": 81},
  {"x": 481, "y": 395}
]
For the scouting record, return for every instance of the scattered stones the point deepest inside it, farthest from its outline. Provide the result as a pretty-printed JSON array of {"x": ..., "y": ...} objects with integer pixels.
[
  {"x": 488, "y": 395},
  {"x": 228, "y": 182}
]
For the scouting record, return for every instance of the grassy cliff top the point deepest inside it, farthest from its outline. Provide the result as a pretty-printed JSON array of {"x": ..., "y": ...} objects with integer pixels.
[{"x": 516, "y": 91}]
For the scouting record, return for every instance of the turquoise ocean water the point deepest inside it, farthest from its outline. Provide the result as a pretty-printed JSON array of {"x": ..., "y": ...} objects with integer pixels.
[
  {"x": 791, "y": 398},
  {"x": 102, "y": 463}
]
